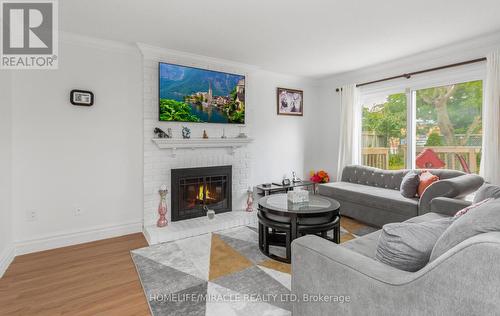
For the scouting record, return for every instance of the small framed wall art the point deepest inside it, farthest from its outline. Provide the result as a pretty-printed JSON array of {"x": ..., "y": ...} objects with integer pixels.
[
  {"x": 290, "y": 102},
  {"x": 81, "y": 97}
]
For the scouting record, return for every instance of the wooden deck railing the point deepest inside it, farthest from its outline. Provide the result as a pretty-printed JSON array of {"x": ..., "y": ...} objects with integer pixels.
[{"x": 379, "y": 156}]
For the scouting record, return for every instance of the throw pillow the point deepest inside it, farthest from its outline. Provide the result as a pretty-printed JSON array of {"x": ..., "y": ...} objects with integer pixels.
[
  {"x": 487, "y": 191},
  {"x": 471, "y": 207},
  {"x": 426, "y": 179},
  {"x": 408, "y": 246},
  {"x": 409, "y": 184},
  {"x": 485, "y": 218}
]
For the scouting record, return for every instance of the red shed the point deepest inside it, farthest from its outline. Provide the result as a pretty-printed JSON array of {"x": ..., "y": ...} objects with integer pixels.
[{"x": 429, "y": 159}]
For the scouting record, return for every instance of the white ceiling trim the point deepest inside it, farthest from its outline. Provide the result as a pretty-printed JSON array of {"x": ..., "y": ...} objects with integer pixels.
[
  {"x": 98, "y": 43},
  {"x": 455, "y": 53},
  {"x": 154, "y": 53}
]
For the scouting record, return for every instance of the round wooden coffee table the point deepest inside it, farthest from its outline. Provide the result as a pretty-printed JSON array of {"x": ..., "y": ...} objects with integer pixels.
[{"x": 280, "y": 222}]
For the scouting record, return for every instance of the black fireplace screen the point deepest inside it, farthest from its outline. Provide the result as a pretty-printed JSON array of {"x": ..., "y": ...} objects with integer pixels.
[{"x": 193, "y": 188}]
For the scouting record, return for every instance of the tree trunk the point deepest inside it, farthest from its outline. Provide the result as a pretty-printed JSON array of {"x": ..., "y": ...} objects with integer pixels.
[{"x": 444, "y": 122}]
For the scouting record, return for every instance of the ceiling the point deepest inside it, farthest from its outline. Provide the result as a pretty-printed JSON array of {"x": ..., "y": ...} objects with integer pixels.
[{"x": 307, "y": 38}]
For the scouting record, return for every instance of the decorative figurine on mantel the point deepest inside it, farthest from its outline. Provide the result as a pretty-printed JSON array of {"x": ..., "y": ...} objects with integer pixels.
[
  {"x": 186, "y": 132},
  {"x": 249, "y": 200},
  {"x": 161, "y": 134},
  {"x": 205, "y": 135},
  {"x": 242, "y": 133},
  {"x": 162, "y": 207}
]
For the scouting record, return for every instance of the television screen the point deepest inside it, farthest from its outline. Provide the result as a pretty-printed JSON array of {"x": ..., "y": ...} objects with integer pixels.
[{"x": 188, "y": 94}]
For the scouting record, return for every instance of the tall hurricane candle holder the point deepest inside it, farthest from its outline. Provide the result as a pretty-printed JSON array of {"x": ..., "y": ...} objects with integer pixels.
[
  {"x": 162, "y": 207},
  {"x": 249, "y": 200}
]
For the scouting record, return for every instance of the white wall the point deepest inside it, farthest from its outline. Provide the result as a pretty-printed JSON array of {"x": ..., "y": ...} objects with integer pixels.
[
  {"x": 6, "y": 247},
  {"x": 67, "y": 157},
  {"x": 325, "y": 153},
  {"x": 280, "y": 140}
]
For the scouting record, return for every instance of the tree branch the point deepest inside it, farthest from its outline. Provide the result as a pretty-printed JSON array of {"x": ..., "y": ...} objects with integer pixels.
[
  {"x": 451, "y": 90},
  {"x": 472, "y": 127}
]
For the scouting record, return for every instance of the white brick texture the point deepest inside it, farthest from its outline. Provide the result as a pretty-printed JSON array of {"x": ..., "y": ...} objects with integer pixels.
[{"x": 158, "y": 163}]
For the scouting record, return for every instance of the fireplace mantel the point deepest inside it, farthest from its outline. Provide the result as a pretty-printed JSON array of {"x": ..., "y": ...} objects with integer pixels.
[{"x": 192, "y": 143}]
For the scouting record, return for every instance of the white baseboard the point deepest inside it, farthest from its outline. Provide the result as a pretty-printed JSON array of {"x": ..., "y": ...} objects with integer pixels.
[
  {"x": 76, "y": 237},
  {"x": 6, "y": 258}
]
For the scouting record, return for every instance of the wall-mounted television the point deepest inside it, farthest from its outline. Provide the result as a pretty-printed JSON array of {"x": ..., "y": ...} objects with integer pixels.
[{"x": 188, "y": 94}]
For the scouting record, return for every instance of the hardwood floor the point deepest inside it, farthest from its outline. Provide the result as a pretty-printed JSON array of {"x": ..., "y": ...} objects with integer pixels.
[{"x": 96, "y": 278}]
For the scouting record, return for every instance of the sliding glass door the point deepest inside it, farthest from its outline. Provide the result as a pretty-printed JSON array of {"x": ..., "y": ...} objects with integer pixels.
[
  {"x": 449, "y": 127},
  {"x": 384, "y": 132},
  {"x": 430, "y": 128}
]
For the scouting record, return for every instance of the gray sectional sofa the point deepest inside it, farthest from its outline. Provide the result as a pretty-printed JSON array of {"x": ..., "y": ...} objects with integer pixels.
[
  {"x": 465, "y": 280},
  {"x": 372, "y": 195}
]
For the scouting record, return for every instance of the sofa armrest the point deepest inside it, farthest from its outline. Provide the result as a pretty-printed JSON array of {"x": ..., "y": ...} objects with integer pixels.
[
  {"x": 460, "y": 282},
  {"x": 452, "y": 188},
  {"x": 448, "y": 206}
]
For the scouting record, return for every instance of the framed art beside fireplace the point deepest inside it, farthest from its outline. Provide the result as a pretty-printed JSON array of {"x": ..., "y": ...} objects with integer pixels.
[{"x": 290, "y": 101}]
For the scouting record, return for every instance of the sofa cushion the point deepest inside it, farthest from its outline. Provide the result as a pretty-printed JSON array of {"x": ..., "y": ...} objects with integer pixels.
[
  {"x": 483, "y": 219},
  {"x": 427, "y": 217},
  {"x": 387, "y": 178},
  {"x": 487, "y": 191},
  {"x": 408, "y": 246},
  {"x": 387, "y": 199},
  {"x": 469, "y": 208},
  {"x": 365, "y": 245},
  {"x": 409, "y": 185}
]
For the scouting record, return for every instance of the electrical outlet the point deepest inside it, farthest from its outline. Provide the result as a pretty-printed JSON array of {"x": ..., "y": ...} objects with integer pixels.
[
  {"x": 31, "y": 215},
  {"x": 78, "y": 211}
]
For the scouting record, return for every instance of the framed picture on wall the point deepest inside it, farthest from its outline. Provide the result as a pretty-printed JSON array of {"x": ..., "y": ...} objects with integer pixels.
[
  {"x": 81, "y": 97},
  {"x": 290, "y": 102}
]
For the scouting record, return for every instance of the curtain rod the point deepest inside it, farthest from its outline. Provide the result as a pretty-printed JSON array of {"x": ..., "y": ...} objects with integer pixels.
[{"x": 408, "y": 75}]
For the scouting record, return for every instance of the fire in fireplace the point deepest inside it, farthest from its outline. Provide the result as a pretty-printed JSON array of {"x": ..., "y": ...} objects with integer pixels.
[{"x": 194, "y": 188}]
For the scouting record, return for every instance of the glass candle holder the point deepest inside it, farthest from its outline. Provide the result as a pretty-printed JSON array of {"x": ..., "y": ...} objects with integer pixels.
[{"x": 162, "y": 208}]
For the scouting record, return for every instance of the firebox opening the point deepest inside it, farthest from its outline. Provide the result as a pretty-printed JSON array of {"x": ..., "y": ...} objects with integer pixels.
[{"x": 194, "y": 188}]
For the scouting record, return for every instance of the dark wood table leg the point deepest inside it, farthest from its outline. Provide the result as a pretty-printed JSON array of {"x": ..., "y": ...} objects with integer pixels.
[
  {"x": 261, "y": 233},
  {"x": 288, "y": 247},
  {"x": 336, "y": 233},
  {"x": 266, "y": 240},
  {"x": 293, "y": 226}
]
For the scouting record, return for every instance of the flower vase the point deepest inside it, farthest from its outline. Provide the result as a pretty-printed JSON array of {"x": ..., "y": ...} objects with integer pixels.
[{"x": 162, "y": 208}]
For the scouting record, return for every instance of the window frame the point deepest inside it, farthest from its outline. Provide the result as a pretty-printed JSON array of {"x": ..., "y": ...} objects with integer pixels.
[{"x": 467, "y": 73}]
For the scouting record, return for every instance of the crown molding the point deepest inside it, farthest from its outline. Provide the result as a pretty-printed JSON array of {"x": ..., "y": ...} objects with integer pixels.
[
  {"x": 155, "y": 53},
  {"x": 457, "y": 52},
  {"x": 99, "y": 43}
]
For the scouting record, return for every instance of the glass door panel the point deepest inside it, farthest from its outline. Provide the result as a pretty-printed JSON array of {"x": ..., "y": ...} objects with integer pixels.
[
  {"x": 384, "y": 132},
  {"x": 449, "y": 127}
]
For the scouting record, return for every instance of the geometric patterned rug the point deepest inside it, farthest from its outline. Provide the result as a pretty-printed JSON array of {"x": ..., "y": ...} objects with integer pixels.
[{"x": 219, "y": 273}]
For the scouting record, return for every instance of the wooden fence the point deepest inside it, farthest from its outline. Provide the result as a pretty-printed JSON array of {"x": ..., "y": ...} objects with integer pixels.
[{"x": 379, "y": 156}]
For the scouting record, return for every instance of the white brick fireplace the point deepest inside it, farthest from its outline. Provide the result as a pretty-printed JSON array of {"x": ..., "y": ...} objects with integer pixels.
[{"x": 158, "y": 162}]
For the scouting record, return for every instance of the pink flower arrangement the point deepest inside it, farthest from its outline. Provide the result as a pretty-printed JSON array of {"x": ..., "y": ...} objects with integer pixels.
[{"x": 320, "y": 177}]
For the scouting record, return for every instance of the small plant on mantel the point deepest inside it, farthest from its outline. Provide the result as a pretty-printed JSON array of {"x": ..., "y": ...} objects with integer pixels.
[{"x": 320, "y": 176}]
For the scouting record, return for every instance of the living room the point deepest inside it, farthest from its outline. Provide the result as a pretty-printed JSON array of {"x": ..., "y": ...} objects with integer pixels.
[{"x": 265, "y": 158}]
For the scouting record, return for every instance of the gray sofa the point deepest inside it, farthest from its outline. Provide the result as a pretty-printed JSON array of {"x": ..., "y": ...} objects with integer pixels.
[
  {"x": 372, "y": 195},
  {"x": 463, "y": 281}
]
